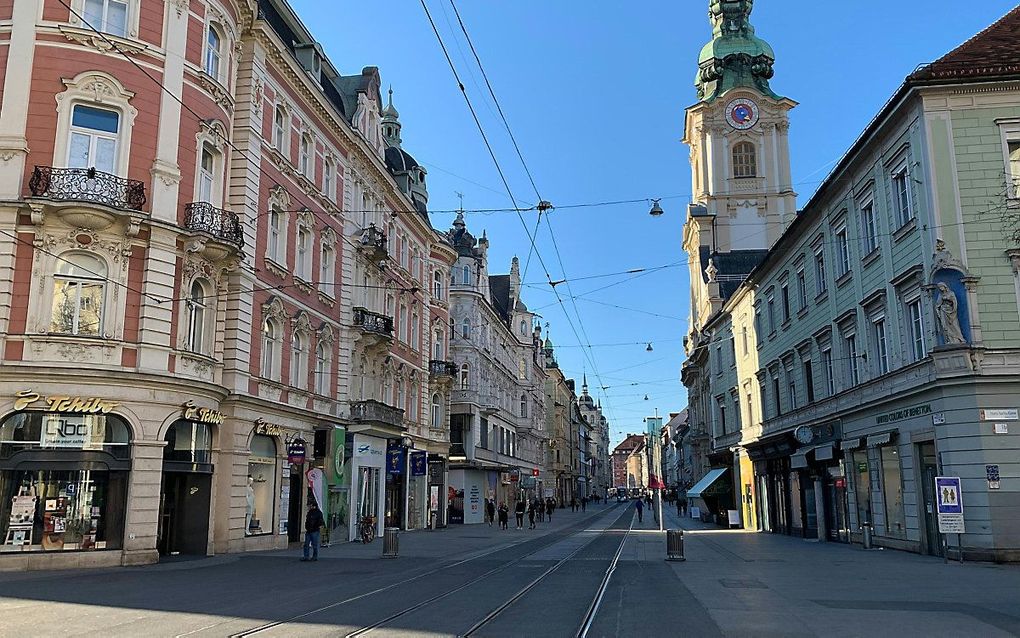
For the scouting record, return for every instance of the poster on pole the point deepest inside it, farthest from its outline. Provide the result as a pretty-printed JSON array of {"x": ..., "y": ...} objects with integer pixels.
[{"x": 949, "y": 500}]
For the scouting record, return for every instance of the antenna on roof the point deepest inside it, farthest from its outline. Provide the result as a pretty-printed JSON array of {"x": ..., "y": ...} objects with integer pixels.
[{"x": 460, "y": 196}]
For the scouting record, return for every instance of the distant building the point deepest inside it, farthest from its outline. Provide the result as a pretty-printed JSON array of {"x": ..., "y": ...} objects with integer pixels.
[{"x": 630, "y": 466}]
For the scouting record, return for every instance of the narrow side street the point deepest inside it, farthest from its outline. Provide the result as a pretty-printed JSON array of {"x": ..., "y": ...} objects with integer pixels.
[{"x": 446, "y": 582}]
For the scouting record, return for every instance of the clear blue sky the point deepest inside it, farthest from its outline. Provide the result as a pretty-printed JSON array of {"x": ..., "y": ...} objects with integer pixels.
[{"x": 595, "y": 93}]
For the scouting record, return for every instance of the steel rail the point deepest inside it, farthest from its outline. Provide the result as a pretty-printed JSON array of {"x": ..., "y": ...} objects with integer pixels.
[{"x": 593, "y": 609}]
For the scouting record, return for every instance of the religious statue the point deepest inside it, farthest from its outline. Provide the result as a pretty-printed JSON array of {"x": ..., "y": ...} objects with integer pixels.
[
  {"x": 711, "y": 271},
  {"x": 947, "y": 315}
]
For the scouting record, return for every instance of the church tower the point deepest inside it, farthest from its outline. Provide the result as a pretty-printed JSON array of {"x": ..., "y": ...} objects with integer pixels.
[{"x": 738, "y": 134}]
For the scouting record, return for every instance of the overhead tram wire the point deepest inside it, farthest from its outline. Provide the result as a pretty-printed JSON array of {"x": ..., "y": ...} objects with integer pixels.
[{"x": 543, "y": 205}]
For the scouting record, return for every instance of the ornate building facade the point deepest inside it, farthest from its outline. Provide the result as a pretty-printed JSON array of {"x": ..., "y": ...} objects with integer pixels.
[
  {"x": 228, "y": 257},
  {"x": 872, "y": 345}
]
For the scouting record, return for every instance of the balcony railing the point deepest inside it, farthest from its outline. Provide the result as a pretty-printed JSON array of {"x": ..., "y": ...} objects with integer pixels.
[
  {"x": 373, "y": 322},
  {"x": 439, "y": 368},
  {"x": 221, "y": 224},
  {"x": 87, "y": 185},
  {"x": 377, "y": 412}
]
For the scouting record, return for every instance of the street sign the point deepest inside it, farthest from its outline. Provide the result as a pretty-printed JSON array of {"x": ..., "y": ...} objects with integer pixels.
[
  {"x": 949, "y": 500},
  {"x": 992, "y": 474}
]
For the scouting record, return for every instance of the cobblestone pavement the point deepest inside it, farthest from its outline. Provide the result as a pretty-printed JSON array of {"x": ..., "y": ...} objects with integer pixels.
[{"x": 478, "y": 580}]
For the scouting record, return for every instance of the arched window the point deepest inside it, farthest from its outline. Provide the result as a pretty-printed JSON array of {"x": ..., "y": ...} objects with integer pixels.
[
  {"x": 437, "y": 285},
  {"x": 277, "y": 234},
  {"x": 305, "y": 155},
  {"x": 465, "y": 328},
  {"x": 270, "y": 348},
  {"x": 94, "y": 136},
  {"x": 437, "y": 346},
  {"x": 524, "y": 328},
  {"x": 437, "y": 412},
  {"x": 402, "y": 324},
  {"x": 414, "y": 331},
  {"x": 745, "y": 161},
  {"x": 327, "y": 264},
  {"x": 298, "y": 360},
  {"x": 280, "y": 128},
  {"x": 328, "y": 169},
  {"x": 415, "y": 400},
  {"x": 524, "y": 406},
  {"x": 206, "y": 174},
  {"x": 79, "y": 291},
  {"x": 323, "y": 369},
  {"x": 197, "y": 317},
  {"x": 466, "y": 274},
  {"x": 465, "y": 377},
  {"x": 401, "y": 400},
  {"x": 213, "y": 53},
  {"x": 303, "y": 259}
]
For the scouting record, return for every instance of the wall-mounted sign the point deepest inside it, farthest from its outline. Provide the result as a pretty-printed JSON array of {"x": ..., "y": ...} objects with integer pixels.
[
  {"x": 339, "y": 444},
  {"x": 1002, "y": 428},
  {"x": 192, "y": 412},
  {"x": 992, "y": 474},
  {"x": 269, "y": 429},
  {"x": 905, "y": 413},
  {"x": 296, "y": 452},
  {"x": 1005, "y": 414},
  {"x": 58, "y": 403},
  {"x": 949, "y": 500},
  {"x": 365, "y": 447},
  {"x": 396, "y": 459},
  {"x": 418, "y": 463},
  {"x": 70, "y": 431}
]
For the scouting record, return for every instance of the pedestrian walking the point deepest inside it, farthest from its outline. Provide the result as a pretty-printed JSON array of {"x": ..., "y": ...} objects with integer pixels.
[
  {"x": 679, "y": 507},
  {"x": 519, "y": 511},
  {"x": 504, "y": 515},
  {"x": 639, "y": 505},
  {"x": 531, "y": 515},
  {"x": 550, "y": 505},
  {"x": 313, "y": 527},
  {"x": 490, "y": 510},
  {"x": 584, "y": 503},
  {"x": 541, "y": 511},
  {"x": 573, "y": 504}
]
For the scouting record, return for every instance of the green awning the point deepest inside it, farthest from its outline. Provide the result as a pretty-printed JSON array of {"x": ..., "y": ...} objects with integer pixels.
[{"x": 706, "y": 482}]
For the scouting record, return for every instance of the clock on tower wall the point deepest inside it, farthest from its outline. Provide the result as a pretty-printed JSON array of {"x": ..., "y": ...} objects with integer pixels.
[{"x": 742, "y": 113}]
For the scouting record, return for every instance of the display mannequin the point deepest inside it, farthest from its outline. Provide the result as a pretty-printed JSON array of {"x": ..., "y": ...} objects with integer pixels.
[{"x": 249, "y": 506}]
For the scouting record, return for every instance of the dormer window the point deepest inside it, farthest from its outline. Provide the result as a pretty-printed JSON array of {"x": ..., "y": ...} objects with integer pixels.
[{"x": 745, "y": 161}]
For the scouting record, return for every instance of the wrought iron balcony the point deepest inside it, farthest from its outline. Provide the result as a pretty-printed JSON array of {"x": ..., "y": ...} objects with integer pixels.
[
  {"x": 438, "y": 368},
  {"x": 222, "y": 224},
  {"x": 373, "y": 243},
  {"x": 372, "y": 411},
  {"x": 87, "y": 185},
  {"x": 373, "y": 323}
]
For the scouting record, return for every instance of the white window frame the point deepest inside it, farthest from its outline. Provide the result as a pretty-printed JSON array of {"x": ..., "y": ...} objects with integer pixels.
[
  {"x": 280, "y": 128},
  {"x": 821, "y": 284},
  {"x": 851, "y": 353},
  {"x": 437, "y": 284},
  {"x": 329, "y": 178},
  {"x": 82, "y": 89},
  {"x": 299, "y": 360},
  {"x": 77, "y": 281},
  {"x": 213, "y": 60},
  {"x": 95, "y": 136},
  {"x": 437, "y": 412},
  {"x": 1009, "y": 129},
  {"x": 830, "y": 373},
  {"x": 915, "y": 327},
  {"x": 130, "y": 17},
  {"x": 869, "y": 224},
  {"x": 198, "y": 316},
  {"x": 272, "y": 337},
  {"x": 414, "y": 329},
  {"x": 303, "y": 252},
  {"x": 327, "y": 267},
  {"x": 843, "y": 249},
  {"x": 306, "y": 155},
  {"x": 902, "y": 192},
  {"x": 880, "y": 334},
  {"x": 323, "y": 368}
]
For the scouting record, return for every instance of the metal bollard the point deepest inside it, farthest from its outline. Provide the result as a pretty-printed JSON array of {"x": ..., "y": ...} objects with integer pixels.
[
  {"x": 675, "y": 544},
  {"x": 866, "y": 535},
  {"x": 391, "y": 545}
]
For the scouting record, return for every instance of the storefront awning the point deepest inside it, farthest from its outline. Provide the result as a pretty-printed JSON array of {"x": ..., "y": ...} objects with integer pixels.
[
  {"x": 879, "y": 439},
  {"x": 706, "y": 482},
  {"x": 852, "y": 444}
]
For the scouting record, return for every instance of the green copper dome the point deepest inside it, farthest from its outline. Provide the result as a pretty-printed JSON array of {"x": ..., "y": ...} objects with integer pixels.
[{"x": 735, "y": 57}]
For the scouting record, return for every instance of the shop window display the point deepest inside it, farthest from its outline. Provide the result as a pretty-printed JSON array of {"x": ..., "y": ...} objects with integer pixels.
[
  {"x": 892, "y": 491},
  {"x": 63, "y": 481},
  {"x": 261, "y": 488}
]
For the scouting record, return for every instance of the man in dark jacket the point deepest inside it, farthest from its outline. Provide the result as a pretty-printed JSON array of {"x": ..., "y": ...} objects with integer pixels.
[{"x": 313, "y": 527}]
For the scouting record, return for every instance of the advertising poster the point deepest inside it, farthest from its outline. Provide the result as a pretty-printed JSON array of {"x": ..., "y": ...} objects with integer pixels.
[{"x": 336, "y": 474}]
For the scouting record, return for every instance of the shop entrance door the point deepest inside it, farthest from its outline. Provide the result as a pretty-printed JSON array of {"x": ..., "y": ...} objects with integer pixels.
[
  {"x": 184, "y": 514},
  {"x": 929, "y": 470},
  {"x": 837, "y": 517},
  {"x": 295, "y": 522}
]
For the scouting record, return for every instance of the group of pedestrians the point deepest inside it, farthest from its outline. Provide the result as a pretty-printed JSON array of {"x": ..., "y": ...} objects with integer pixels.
[{"x": 536, "y": 509}]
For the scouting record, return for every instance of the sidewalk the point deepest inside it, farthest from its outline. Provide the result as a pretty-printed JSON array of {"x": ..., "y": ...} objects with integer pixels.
[{"x": 755, "y": 583}]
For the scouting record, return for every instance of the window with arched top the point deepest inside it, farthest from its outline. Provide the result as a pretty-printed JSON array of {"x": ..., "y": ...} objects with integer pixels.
[
  {"x": 280, "y": 128},
  {"x": 437, "y": 345},
  {"x": 298, "y": 359},
  {"x": 305, "y": 155},
  {"x": 465, "y": 377},
  {"x": 465, "y": 328},
  {"x": 437, "y": 285},
  {"x": 197, "y": 317},
  {"x": 213, "y": 53},
  {"x": 323, "y": 369},
  {"x": 745, "y": 160},
  {"x": 79, "y": 293},
  {"x": 437, "y": 411},
  {"x": 466, "y": 275},
  {"x": 524, "y": 406},
  {"x": 272, "y": 335},
  {"x": 277, "y": 234}
]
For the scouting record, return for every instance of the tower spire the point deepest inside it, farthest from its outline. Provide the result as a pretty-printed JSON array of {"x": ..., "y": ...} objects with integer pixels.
[{"x": 735, "y": 57}]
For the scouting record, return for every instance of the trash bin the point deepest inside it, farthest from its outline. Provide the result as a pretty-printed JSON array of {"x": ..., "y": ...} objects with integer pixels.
[
  {"x": 866, "y": 535},
  {"x": 391, "y": 545},
  {"x": 675, "y": 544}
]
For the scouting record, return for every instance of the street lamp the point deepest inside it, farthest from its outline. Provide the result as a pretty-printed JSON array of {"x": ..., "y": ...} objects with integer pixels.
[{"x": 656, "y": 210}]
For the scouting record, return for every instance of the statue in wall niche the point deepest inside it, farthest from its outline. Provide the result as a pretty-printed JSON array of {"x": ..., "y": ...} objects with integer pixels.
[{"x": 947, "y": 316}]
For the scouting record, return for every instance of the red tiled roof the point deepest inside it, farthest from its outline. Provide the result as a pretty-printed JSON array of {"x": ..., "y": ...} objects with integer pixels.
[{"x": 992, "y": 53}]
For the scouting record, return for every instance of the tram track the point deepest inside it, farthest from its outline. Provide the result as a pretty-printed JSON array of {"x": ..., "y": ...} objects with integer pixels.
[{"x": 545, "y": 543}]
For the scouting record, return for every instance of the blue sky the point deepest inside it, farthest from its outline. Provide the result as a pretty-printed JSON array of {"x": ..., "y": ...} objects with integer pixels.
[{"x": 595, "y": 93}]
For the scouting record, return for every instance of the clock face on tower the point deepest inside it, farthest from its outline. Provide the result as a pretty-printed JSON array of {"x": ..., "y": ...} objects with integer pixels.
[{"x": 742, "y": 113}]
